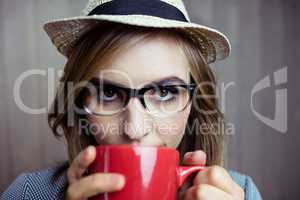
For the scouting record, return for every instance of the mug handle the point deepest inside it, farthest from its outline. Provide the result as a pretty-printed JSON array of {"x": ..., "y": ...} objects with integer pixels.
[{"x": 185, "y": 171}]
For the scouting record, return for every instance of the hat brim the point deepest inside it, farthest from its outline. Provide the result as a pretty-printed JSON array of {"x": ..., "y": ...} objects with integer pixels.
[{"x": 64, "y": 33}]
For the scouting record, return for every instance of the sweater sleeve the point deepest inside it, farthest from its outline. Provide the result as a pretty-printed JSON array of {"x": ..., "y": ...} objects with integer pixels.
[
  {"x": 17, "y": 189},
  {"x": 251, "y": 191},
  {"x": 246, "y": 182}
]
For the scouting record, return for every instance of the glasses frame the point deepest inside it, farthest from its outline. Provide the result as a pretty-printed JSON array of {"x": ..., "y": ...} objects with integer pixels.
[{"x": 139, "y": 93}]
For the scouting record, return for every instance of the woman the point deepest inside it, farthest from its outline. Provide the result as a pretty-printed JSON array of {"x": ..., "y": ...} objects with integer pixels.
[{"x": 147, "y": 45}]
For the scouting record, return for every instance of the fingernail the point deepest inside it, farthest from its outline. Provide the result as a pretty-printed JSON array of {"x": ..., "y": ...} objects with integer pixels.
[
  {"x": 88, "y": 150},
  {"x": 188, "y": 154},
  {"x": 118, "y": 180}
]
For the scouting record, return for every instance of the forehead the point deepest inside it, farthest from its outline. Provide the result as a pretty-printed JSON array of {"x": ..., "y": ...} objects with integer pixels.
[{"x": 146, "y": 61}]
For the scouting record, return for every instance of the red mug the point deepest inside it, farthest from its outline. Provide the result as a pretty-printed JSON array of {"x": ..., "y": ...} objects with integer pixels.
[{"x": 150, "y": 172}]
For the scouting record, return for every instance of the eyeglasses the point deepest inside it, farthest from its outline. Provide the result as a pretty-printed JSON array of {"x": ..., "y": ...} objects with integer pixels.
[{"x": 159, "y": 100}]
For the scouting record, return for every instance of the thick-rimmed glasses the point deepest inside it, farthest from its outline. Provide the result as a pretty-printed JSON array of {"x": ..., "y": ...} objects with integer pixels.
[{"x": 159, "y": 100}]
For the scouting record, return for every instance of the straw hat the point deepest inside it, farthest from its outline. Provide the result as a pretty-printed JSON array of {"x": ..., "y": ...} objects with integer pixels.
[{"x": 64, "y": 33}]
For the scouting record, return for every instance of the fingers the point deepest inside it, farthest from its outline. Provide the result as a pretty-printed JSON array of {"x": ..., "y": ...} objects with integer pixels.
[
  {"x": 80, "y": 163},
  {"x": 197, "y": 157},
  {"x": 94, "y": 184},
  {"x": 84, "y": 187},
  {"x": 213, "y": 176},
  {"x": 219, "y": 178},
  {"x": 206, "y": 192}
]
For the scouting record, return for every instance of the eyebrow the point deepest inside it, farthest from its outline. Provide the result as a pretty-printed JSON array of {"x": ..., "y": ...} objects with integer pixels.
[{"x": 160, "y": 81}]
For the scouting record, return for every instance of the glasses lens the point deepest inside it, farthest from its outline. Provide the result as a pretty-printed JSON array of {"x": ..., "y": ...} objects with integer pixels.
[
  {"x": 166, "y": 100},
  {"x": 105, "y": 100}
]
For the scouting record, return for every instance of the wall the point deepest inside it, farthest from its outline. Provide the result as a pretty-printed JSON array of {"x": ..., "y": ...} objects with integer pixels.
[{"x": 264, "y": 38}]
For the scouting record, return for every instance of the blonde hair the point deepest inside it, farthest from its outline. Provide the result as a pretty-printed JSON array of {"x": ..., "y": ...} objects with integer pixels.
[{"x": 101, "y": 43}]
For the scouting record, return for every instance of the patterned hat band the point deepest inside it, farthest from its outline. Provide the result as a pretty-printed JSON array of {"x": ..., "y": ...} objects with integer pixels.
[{"x": 154, "y": 8}]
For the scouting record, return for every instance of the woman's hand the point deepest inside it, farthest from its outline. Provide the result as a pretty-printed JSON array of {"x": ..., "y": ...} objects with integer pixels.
[
  {"x": 83, "y": 187},
  {"x": 212, "y": 182}
]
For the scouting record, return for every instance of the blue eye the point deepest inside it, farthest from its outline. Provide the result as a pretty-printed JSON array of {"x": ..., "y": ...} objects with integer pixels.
[
  {"x": 167, "y": 93},
  {"x": 108, "y": 93}
]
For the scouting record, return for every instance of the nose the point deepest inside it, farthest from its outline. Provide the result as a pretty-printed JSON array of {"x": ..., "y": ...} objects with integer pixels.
[{"x": 137, "y": 122}]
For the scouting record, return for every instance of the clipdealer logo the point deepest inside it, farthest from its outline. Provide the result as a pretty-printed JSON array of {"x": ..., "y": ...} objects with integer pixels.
[{"x": 279, "y": 122}]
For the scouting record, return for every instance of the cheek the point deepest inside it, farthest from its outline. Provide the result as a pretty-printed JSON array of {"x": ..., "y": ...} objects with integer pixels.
[{"x": 171, "y": 130}]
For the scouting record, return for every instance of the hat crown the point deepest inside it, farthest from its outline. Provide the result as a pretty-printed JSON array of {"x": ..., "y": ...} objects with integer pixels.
[{"x": 176, "y": 3}]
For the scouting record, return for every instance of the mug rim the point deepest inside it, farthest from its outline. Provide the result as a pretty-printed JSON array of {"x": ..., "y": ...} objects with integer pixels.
[{"x": 130, "y": 146}]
